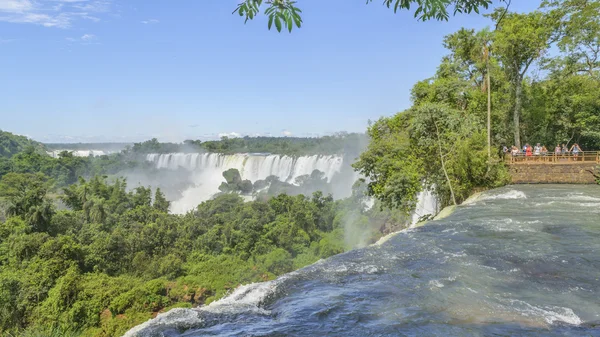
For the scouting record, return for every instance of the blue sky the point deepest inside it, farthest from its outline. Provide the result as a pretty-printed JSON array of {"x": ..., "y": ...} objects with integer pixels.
[{"x": 129, "y": 70}]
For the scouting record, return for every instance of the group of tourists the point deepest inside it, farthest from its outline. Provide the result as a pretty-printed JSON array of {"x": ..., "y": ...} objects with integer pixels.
[{"x": 541, "y": 150}]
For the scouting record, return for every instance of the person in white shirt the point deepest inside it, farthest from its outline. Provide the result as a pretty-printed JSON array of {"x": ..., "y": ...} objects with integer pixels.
[{"x": 537, "y": 149}]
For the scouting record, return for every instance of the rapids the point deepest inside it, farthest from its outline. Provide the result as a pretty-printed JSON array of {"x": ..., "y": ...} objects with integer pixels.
[{"x": 520, "y": 260}]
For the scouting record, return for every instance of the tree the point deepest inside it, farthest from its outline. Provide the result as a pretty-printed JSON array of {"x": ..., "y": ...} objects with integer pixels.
[
  {"x": 578, "y": 34},
  {"x": 284, "y": 13},
  {"x": 232, "y": 176},
  {"x": 472, "y": 51},
  {"x": 39, "y": 216},
  {"x": 393, "y": 170},
  {"x": 23, "y": 191},
  {"x": 160, "y": 202},
  {"x": 520, "y": 40},
  {"x": 429, "y": 118},
  {"x": 11, "y": 144},
  {"x": 142, "y": 196},
  {"x": 235, "y": 184}
]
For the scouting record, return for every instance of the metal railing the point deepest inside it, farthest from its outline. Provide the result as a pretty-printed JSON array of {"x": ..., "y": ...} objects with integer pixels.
[{"x": 554, "y": 158}]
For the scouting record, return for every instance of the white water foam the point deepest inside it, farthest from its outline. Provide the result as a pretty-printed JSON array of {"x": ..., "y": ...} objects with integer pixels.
[
  {"x": 509, "y": 195},
  {"x": 550, "y": 314},
  {"x": 427, "y": 204},
  {"x": 246, "y": 298},
  {"x": 577, "y": 197},
  {"x": 175, "y": 317}
]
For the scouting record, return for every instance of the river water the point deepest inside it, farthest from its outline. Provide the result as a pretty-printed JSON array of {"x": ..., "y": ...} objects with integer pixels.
[{"x": 520, "y": 260}]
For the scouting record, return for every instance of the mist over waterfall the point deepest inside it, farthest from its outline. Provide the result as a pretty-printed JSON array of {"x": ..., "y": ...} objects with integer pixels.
[
  {"x": 80, "y": 153},
  {"x": 207, "y": 171}
]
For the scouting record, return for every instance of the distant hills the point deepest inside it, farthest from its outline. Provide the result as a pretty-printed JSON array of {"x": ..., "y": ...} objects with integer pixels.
[
  {"x": 343, "y": 143},
  {"x": 112, "y": 147},
  {"x": 11, "y": 144}
]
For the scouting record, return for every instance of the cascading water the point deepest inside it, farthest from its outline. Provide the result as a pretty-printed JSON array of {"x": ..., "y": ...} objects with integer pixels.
[
  {"x": 427, "y": 205},
  {"x": 517, "y": 261},
  {"x": 80, "y": 153},
  {"x": 208, "y": 170},
  {"x": 251, "y": 166}
]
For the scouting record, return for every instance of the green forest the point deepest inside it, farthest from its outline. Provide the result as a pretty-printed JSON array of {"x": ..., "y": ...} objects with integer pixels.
[
  {"x": 84, "y": 254},
  {"x": 536, "y": 75},
  {"x": 339, "y": 143}
]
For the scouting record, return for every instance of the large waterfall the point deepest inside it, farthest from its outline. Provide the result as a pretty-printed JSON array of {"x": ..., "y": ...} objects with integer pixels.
[
  {"x": 80, "y": 153},
  {"x": 251, "y": 166},
  {"x": 208, "y": 168}
]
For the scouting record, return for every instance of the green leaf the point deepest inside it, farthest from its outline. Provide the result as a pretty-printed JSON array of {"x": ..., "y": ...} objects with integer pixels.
[
  {"x": 270, "y": 21},
  {"x": 288, "y": 22},
  {"x": 297, "y": 20},
  {"x": 278, "y": 23}
]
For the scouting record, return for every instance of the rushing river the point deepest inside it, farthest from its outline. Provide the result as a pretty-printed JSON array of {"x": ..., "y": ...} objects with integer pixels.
[{"x": 520, "y": 260}]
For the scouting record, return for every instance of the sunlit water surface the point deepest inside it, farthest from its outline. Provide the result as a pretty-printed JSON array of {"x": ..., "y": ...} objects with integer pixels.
[{"x": 521, "y": 260}]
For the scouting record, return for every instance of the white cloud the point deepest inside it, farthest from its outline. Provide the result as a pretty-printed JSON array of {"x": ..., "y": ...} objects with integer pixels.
[
  {"x": 98, "y": 6},
  {"x": 88, "y": 37},
  {"x": 230, "y": 135},
  {"x": 150, "y": 22},
  {"x": 85, "y": 39},
  {"x": 51, "y": 13},
  {"x": 286, "y": 133},
  {"x": 15, "y": 6}
]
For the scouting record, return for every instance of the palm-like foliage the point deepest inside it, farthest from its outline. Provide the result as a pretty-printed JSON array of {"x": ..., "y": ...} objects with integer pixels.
[{"x": 284, "y": 13}]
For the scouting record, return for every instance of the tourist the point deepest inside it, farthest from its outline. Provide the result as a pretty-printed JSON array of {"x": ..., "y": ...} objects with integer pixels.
[
  {"x": 575, "y": 149},
  {"x": 514, "y": 151},
  {"x": 557, "y": 149},
  {"x": 537, "y": 149},
  {"x": 504, "y": 150},
  {"x": 544, "y": 150},
  {"x": 528, "y": 152},
  {"x": 565, "y": 149}
]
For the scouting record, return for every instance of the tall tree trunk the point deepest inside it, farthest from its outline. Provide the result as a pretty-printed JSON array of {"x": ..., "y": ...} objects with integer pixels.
[
  {"x": 489, "y": 109},
  {"x": 437, "y": 131},
  {"x": 517, "y": 112}
]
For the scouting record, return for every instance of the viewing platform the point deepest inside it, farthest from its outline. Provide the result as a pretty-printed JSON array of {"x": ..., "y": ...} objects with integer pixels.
[{"x": 554, "y": 168}]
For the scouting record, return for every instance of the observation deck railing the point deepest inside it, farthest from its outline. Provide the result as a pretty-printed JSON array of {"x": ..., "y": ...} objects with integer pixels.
[{"x": 554, "y": 158}]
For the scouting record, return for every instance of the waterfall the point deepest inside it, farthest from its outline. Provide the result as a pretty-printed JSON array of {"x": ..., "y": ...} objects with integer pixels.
[
  {"x": 80, "y": 153},
  {"x": 208, "y": 168},
  {"x": 251, "y": 166},
  {"x": 427, "y": 204}
]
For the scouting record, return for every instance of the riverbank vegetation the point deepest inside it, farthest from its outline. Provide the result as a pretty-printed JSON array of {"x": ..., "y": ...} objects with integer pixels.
[
  {"x": 94, "y": 257},
  {"x": 103, "y": 259},
  {"x": 534, "y": 76}
]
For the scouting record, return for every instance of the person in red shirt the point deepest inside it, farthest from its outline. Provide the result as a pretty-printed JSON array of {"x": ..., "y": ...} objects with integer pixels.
[{"x": 528, "y": 152}]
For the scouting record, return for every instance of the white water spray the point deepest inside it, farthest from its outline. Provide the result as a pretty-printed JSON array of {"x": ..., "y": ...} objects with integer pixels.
[
  {"x": 427, "y": 204},
  {"x": 80, "y": 153},
  {"x": 208, "y": 170}
]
